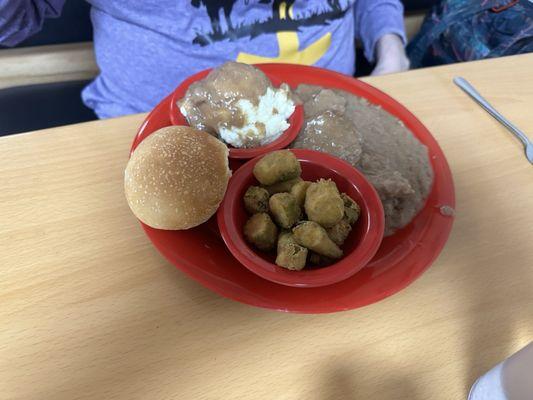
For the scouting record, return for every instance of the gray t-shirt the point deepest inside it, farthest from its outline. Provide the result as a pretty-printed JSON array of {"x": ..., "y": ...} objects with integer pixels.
[{"x": 144, "y": 49}]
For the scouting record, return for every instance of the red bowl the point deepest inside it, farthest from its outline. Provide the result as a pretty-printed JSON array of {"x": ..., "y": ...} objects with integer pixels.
[
  {"x": 359, "y": 248},
  {"x": 286, "y": 138}
]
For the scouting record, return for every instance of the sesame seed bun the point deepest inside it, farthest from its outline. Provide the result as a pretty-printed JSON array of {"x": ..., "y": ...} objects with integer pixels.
[{"x": 176, "y": 178}]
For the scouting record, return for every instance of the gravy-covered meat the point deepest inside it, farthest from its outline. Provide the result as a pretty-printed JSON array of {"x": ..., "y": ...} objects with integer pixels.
[
  {"x": 384, "y": 150},
  {"x": 317, "y": 102},
  {"x": 331, "y": 133}
]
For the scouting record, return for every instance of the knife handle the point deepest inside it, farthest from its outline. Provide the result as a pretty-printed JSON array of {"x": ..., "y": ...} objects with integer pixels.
[{"x": 469, "y": 89}]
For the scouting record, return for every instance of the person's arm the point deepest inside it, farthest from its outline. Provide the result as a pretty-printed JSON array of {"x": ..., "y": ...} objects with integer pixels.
[
  {"x": 20, "y": 19},
  {"x": 379, "y": 25}
]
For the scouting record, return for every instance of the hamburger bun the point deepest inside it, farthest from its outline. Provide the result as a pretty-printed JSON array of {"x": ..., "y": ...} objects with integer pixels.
[{"x": 176, "y": 178}]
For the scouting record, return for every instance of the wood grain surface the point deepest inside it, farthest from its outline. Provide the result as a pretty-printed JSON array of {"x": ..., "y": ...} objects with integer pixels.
[
  {"x": 44, "y": 64},
  {"x": 90, "y": 310}
]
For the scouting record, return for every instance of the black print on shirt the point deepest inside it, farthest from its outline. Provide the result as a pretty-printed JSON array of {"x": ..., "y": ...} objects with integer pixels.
[{"x": 218, "y": 9}]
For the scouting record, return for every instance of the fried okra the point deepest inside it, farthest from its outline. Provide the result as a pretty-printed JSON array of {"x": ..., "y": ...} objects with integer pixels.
[
  {"x": 323, "y": 203},
  {"x": 282, "y": 200},
  {"x": 284, "y": 209},
  {"x": 340, "y": 231},
  {"x": 317, "y": 260},
  {"x": 277, "y": 166},
  {"x": 256, "y": 200},
  {"x": 261, "y": 231},
  {"x": 313, "y": 236},
  {"x": 299, "y": 190},
  {"x": 284, "y": 186},
  {"x": 290, "y": 254},
  {"x": 351, "y": 209}
]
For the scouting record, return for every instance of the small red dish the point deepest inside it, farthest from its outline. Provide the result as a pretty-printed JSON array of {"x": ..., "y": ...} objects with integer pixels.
[
  {"x": 359, "y": 248},
  {"x": 286, "y": 138}
]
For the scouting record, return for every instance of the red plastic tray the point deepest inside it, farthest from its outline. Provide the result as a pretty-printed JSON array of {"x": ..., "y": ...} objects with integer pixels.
[{"x": 402, "y": 257}]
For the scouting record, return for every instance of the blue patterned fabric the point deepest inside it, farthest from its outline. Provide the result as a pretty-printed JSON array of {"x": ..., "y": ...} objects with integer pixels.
[{"x": 466, "y": 30}]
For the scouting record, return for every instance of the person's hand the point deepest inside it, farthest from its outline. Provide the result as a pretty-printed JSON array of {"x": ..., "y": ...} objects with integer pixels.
[{"x": 390, "y": 55}]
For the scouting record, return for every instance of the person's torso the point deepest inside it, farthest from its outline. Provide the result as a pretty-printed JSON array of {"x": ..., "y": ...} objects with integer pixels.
[{"x": 145, "y": 49}]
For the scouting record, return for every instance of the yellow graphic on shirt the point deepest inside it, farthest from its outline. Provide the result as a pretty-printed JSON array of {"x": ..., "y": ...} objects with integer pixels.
[
  {"x": 283, "y": 11},
  {"x": 289, "y": 47}
]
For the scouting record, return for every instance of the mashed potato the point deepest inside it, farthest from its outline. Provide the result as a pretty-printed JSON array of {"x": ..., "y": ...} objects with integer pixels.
[
  {"x": 265, "y": 122},
  {"x": 238, "y": 103}
]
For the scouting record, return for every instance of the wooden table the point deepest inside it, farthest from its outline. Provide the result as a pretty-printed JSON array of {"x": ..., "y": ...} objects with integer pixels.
[{"x": 90, "y": 310}]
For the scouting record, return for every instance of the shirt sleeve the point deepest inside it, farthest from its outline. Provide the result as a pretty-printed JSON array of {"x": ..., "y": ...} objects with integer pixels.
[
  {"x": 20, "y": 19},
  {"x": 375, "y": 18}
]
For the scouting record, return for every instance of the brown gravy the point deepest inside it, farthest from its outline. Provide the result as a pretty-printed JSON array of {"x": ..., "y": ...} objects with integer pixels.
[
  {"x": 211, "y": 102},
  {"x": 373, "y": 141}
]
